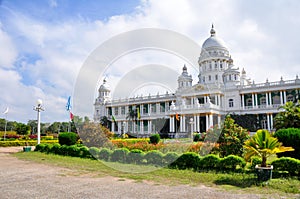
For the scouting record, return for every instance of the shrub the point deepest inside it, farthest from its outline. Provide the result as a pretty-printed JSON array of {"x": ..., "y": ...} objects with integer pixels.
[
  {"x": 94, "y": 151},
  {"x": 188, "y": 160},
  {"x": 289, "y": 137},
  {"x": 255, "y": 161},
  {"x": 197, "y": 137},
  {"x": 232, "y": 163},
  {"x": 154, "y": 158},
  {"x": 40, "y": 147},
  {"x": 288, "y": 164},
  {"x": 84, "y": 152},
  {"x": 67, "y": 138},
  {"x": 169, "y": 158},
  {"x": 104, "y": 154},
  {"x": 155, "y": 138},
  {"x": 24, "y": 142},
  {"x": 135, "y": 156},
  {"x": 209, "y": 162},
  {"x": 119, "y": 155},
  {"x": 55, "y": 148}
]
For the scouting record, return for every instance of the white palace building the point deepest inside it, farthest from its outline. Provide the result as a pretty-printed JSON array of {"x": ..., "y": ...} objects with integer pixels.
[{"x": 222, "y": 89}]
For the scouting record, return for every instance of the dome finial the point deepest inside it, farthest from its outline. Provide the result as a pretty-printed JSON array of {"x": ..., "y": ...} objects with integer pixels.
[{"x": 212, "y": 31}]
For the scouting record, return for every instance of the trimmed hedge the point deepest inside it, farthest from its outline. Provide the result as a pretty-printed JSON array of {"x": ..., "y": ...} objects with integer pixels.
[
  {"x": 119, "y": 155},
  {"x": 25, "y": 142},
  {"x": 209, "y": 162},
  {"x": 189, "y": 160},
  {"x": 291, "y": 165},
  {"x": 67, "y": 138},
  {"x": 289, "y": 137},
  {"x": 155, "y": 138},
  {"x": 104, "y": 154},
  {"x": 232, "y": 163},
  {"x": 154, "y": 158},
  {"x": 135, "y": 156},
  {"x": 170, "y": 157}
]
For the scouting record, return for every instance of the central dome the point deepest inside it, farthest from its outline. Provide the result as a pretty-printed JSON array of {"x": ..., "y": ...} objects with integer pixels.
[{"x": 214, "y": 41}]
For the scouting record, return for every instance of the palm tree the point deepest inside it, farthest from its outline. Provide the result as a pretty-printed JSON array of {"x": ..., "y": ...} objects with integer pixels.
[
  {"x": 263, "y": 144},
  {"x": 132, "y": 116},
  {"x": 289, "y": 118}
]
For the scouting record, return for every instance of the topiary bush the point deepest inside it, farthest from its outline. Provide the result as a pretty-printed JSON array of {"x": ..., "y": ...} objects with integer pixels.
[
  {"x": 119, "y": 155},
  {"x": 188, "y": 160},
  {"x": 291, "y": 165},
  {"x": 209, "y": 162},
  {"x": 40, "y": 147},
  {"x": 155, "y": 138},
  {"x": 289, "y": 137},
  {"x": 84, "y": 152},
  {"x": 154, "y": 158},
  {"x": 67, "y": 138},
  {"x": 135, "y": 156},
  {"x": 94, "y": 151},
  {"x": 169, "y": 158},
  {"x": 232, "y": 163},
  {"x": 104, "y": 154},
  {"x": 55, "y": 148}
]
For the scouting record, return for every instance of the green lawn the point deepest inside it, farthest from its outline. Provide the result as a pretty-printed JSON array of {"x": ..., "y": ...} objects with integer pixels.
[{"x": 245, "y": 183}]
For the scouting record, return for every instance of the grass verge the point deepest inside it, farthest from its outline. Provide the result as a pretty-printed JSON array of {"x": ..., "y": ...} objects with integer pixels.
[{"x": 236, "y": 182}]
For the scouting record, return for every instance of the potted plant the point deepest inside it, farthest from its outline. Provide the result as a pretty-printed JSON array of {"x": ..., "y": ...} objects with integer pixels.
[
  {"x": 263, "y": 144},
  {"x": 26, "y": 148}
]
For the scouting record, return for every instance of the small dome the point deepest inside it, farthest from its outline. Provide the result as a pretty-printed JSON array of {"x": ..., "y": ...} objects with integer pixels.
[
  {"x": 104, "y": 86},
  {"x": 214, "y": 41}
]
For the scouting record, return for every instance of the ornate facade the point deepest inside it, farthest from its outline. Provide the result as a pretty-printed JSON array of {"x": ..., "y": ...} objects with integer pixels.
[{"x": 221, "y": 89}]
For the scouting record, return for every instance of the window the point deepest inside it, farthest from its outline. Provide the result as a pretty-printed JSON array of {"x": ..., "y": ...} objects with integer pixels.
[
  {"x": 203, "y": 79},
  {"x": 210, "y": 67},
  {"x": 123, "y": 110},
  {"x": 235, "y": 77},
  {"x": 153, "y": 108},
  {"x": 229, "y": 77},
  {"x": 216, "y": 65},
  {"x": 209, "y": 78},
  {"x": 216, "y": 77},
  {"x": 249, "y": 102},
  {"x": 263, "y": 101},
  {"x": 116, "y": 110},
  {"x": 230, "y": 102},
  {"x": 145, "y": 108},
  {"x": 290, "y": 98},
  {"x": 221, "y": 65}
]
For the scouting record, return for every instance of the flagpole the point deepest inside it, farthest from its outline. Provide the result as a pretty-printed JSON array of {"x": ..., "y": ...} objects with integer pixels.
[{"x": 69, "y": 122}]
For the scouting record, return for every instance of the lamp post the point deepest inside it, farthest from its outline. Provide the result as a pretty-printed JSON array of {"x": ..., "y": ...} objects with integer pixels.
[
  {"x": 39, "y": 108},
  {"x": 191, "y": 123}
]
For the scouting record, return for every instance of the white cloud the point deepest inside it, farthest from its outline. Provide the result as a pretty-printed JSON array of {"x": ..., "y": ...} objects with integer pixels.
[{"x": 8, "y": 52}]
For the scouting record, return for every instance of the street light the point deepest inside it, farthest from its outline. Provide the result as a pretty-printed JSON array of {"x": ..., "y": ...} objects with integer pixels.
[
  {"x": 191, "y": 123},
  {"x": 38, "y": 108}
]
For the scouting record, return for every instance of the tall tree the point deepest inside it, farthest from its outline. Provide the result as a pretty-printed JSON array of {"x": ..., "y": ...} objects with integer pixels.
[{"x": 289, "y": 117}]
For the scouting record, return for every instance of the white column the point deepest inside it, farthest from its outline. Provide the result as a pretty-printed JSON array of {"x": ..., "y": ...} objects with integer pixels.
[
  {"x": 157, "y": 108},
  {"x": 243, "y": 101},
  {"x": 113, "y": 127},
  {"x": 141, "y": 109},
  {"x": 219, "y": 121},
  {"x": 271, "y": 121},
  {"x": 253, "y": 100},
  {"x": 198, "y": 123},
  {"x": 207, "y": 122},
  {"x": 284, "y": 97},
  {"x": 180, "y": 124},
  {"x": 195, "y": 123},
  {"x": 256, "y": 102},
  {"x": 183, "y": 123},
  {"x": 267, "y": 100},
  {"x": 142, "y": 126},
  {"x": 268, "y": 122},
  {"x": 170, "y": 124},
  {"x": 119, "y": 129},
  {"x": 205, "y": 99},
  {"x": 281, "y": 99},
  {"x": 219, "y": 99},
  {"x": 150, "y": 126},
  {"x": 149, "y": 109},
  {"x": 216, "y": 100},
  {"x": 211, "y": 120},
  {"x": 270, "y": 97}
]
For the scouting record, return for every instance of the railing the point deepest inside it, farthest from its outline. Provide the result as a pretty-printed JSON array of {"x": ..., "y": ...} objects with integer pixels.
[{"x": 269, "y": 84}]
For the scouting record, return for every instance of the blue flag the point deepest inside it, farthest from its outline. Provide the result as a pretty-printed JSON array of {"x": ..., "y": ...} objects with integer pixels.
[{"x": 68, "y": 106}]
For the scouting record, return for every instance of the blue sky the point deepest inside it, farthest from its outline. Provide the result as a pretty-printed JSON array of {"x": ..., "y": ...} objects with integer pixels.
[{"x": 44, "y": 43}]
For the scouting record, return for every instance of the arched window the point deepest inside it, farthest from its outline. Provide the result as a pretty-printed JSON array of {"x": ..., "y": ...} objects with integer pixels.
[
  {"x": 263, "y": 101},
  {"x": 230, "y": 101},
  {"x": 276, "y": 99},
  {"x": 249, "y": 102}
]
